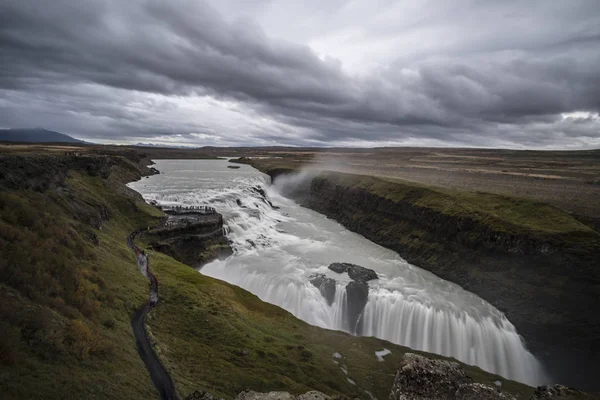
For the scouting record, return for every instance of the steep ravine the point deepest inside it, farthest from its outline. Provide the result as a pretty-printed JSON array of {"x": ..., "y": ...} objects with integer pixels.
[{"x": 545, "y": 285}]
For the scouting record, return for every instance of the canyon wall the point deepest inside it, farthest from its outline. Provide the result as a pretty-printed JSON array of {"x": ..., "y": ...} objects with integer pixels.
[{"x": 547, "y": 283}]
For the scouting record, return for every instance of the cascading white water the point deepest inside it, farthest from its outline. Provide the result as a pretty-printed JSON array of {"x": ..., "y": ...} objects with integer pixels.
[{"x": 277, "y": 249}]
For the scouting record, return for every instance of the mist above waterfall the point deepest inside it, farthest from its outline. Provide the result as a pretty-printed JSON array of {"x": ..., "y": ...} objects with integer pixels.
[{"x": 277, "y": 250}]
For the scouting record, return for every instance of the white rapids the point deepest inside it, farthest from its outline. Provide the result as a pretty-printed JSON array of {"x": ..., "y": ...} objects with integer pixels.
[{"x": 276, "y": 250}]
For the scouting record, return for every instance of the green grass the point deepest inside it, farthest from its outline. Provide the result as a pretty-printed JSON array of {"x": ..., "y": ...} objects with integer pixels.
[
  {"x": 69, "y": 285},
  {"x": 503, "y": 213},
  {"x": 66, "y": 303},
  {"x": 203, "y": 326}
]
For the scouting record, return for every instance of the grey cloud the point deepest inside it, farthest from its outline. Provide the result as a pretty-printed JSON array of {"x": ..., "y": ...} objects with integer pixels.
[{"x": 186, "y": 48}]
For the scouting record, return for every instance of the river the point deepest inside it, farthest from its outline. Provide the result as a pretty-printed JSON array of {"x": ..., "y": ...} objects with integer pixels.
[{"x": 277, "y": 249}]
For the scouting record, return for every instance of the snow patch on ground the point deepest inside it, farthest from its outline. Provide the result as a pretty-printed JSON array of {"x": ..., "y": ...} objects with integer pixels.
[{"x": 382, "y": 353}]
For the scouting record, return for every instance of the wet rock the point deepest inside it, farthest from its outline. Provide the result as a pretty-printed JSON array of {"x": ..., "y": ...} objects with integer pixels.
[
  {"x": 355, "y": 272},
  {"x": 260, "y": 191},
  {"x": 557, "y": 392},
  {"x": 420, "y": 378},
  {"x": 263, "y": 196},
  {"x": 325, "y": 285},
  {"x": 357, "y": 294}
]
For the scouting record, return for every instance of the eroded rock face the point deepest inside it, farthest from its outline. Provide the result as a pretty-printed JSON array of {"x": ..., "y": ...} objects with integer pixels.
[
  {"x": 420, "y": 378},
  {"x": 357, "y": 294},
  {"x": 356, "y": 272},
  {"x": 325, "y": 285}
]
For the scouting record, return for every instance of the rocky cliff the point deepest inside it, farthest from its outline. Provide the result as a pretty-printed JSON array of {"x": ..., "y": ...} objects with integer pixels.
[
  {"x": 542, "y": 270},
  {"x": 191, "y": 237}
]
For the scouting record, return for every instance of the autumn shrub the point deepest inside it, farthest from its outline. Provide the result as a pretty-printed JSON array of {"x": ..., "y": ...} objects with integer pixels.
[{"x": 85, "y": 341}]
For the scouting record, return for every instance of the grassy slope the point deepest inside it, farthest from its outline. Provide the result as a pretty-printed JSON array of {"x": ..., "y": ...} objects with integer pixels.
[
  {"x": 61, "y": 341},
  {"x": 505, "y": 214},
  {"x": 203, "y": 326},
  {"x": 75, "y": 341}
]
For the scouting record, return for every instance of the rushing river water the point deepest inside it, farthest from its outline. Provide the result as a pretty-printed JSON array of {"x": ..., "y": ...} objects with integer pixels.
[{"x": 277, "y": 249}]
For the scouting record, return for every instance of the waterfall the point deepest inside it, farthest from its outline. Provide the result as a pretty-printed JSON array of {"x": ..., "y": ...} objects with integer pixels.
[{"x": 278, "y": 246}]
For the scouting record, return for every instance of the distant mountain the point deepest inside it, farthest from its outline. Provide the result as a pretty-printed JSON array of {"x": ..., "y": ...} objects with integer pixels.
[
  {"x": 36, "y": 135},
  {"x": 164, "y": 146}
]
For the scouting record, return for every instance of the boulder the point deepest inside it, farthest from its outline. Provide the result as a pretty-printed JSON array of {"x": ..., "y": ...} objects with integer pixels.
[
  {"x": 357, "y": 294},
  {"x": 423, "y": 378},
  {"x": 479, "y": 391},
  {"x": 558, "y": 392},
  {"x": 356, "y": 272},
  {"x": 325, "y": 285},
  {"x": 420, "y": 378}
]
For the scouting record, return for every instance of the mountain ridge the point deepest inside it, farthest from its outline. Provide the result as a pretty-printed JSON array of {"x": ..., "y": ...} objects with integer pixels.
[{"x": 36, "y": 135}]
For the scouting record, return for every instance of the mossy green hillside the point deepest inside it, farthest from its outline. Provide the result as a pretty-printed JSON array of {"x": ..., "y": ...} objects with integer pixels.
[
  {"x": 68, "y": 289},
  {"x": 69, "y": 286},
  {"x": 220, "y": 338}
]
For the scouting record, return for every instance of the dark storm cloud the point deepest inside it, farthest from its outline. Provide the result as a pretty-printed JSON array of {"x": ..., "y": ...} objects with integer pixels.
[{"x": 186, "y": 48}]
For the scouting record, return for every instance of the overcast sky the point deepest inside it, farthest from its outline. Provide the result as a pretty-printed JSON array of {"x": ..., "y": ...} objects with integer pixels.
[{"x": 504, "y": 73}]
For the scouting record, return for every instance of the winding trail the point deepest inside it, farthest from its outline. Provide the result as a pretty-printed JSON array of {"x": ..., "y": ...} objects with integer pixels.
[{"x": 158, "y": 373}]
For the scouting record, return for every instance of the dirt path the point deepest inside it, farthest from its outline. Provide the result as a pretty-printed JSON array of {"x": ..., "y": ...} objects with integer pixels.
[{"x": 158, "y": 373}]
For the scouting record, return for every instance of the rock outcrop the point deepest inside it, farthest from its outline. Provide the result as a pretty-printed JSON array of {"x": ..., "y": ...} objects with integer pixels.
[
  {"x": 559, "y": 392},
  {"x": 325, "y": 285},
  {"x": 357, "y": 292},
  {"x": 355, "y": 272},
  {"x": 420, "y": 378},
  {"x": 191, "y": 237}
]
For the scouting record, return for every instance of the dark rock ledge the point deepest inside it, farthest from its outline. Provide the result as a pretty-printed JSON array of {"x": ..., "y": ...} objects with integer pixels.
[{"x": 357, "y": 291}]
